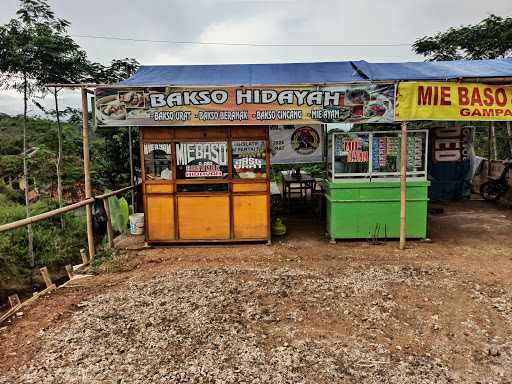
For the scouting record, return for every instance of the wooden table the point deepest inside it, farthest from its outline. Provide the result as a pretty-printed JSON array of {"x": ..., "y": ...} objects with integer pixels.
[{"x": 300, "y": 185}]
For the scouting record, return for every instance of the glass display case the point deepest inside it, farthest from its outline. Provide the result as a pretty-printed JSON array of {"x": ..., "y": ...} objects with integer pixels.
[
  {"x": 375, "y": 156},
  {"x": 158, "y": 161},
  {"x": 362, "y": 191}
]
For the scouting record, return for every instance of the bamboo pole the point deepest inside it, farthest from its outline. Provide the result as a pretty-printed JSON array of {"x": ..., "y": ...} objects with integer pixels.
[
  {"x": 403, "y": 185},
  {"x": 113, "y": 193},
  {"x": 30, "y": 234},
  {"x": 58, "y": 211},
  {"x": 132, "y": 181},
  {"x": 110, "y": 233},
  {"x": 87, "y": 172},
  {"x": 44, "y": 216}
]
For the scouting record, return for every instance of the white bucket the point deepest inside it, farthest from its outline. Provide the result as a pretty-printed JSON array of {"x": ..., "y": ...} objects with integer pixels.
[{"x": 137, "y": 224}]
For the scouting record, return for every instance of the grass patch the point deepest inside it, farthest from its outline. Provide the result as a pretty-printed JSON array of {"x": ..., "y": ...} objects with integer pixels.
[{"x": 110, "y": 261}]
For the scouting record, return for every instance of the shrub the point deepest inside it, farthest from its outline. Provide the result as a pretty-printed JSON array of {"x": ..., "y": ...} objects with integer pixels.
[{"x": 53, "y": 247}]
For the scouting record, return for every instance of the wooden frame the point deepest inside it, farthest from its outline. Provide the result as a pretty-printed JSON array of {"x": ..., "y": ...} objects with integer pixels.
[{"x": 228, "y": 134}]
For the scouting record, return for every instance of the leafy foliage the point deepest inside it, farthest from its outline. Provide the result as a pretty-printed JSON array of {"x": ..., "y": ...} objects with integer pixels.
[
  {"x": 119, "y": 211},
  {"x": 41, "y": 135},
  {"x": 54, "y": 248},
  {"x": 35, "y": 49},
  {"x": 489, "y": 39}
]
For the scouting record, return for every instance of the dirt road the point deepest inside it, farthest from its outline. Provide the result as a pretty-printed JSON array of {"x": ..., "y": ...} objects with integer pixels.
[{"x": 299, "y": 311}]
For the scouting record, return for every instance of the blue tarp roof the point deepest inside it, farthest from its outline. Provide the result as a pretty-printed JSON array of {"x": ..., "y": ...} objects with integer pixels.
[
  {"x": 437, "y": 70},
  {"x": 246, "y": 74},
  {"x": 315, "y": 73}
]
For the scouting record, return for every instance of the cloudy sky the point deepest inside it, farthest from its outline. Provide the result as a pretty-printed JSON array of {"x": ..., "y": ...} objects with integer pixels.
[{"x": 255, "y": 21}]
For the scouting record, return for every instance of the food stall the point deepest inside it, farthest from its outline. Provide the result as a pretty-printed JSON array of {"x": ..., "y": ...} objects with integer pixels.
[
  {"x": 206, "y": 149},
  {"x": 205, "y": 184},
  {"x": 206, "y": 146},
  {"x": 363, "y": 186}
]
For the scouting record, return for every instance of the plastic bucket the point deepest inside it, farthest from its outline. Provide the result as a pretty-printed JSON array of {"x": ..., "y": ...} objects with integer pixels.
[{"x": 137, "y": 224}]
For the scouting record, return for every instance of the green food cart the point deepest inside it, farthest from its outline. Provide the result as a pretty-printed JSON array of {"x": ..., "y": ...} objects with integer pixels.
[{"x": 362, "y": 189}]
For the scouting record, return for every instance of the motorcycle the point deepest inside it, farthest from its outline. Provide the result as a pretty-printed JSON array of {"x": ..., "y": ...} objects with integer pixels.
[{"x": 495, "y": 188}]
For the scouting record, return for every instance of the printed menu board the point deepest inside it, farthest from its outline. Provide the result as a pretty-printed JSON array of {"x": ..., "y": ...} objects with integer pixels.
[
  {"x": 415, "y": 153},
  {"x": 249, "y": 159},
  {"x": 385, "y": 153}
]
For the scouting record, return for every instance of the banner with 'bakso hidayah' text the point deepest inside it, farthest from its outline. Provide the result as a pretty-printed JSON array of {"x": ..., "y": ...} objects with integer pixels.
[{"x": 175, "y": 106}]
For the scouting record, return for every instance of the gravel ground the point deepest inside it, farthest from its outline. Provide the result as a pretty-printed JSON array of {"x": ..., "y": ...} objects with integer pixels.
[{"x": 280, "y": 325}]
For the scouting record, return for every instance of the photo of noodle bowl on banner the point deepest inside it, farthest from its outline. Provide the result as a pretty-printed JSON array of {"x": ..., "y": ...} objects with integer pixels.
[{"x": 371, "y": 103}]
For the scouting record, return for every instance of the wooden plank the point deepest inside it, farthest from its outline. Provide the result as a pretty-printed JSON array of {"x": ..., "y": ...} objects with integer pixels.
[
  {"x": 46, "y": 276},
  {"x": 79, "y": 266},
  {"x": 156, "y": 133},
  {"x": 69, "y": 270},
  {"x": 36, "y": 295},
  {"x": 160, "y": 217},
  {"x": 240, "y": 132},
  {"x": 14, "y": 300},
  {"x": 250, "y": 187},
  {"x": 203, "y": 217},
  {"x": 250, "y": 216},
  {"x": 83, "y": 254},
  {"x": 159, "y": 188},
  {"x": 200, "y": 133},
  {"x": 75, "y": 277}
]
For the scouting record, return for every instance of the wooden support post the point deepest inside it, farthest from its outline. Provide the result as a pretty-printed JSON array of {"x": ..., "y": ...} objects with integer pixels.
[
  {"x": 87, "y": 172},
  {"x": 494, "y": 146},
  {"x": 110, "y": 234},
  {"x": 83, "y": 254},
  {"x": 14, "y": 300},
  {"x": 46, "y": 277},
  {"x": 509, "y": 135},
  {"x": 69, "y": 270},
  {"x": 132, "y": 177},
  {"x": 489, "y": 151},
  {"x": 403, "y": 185}
]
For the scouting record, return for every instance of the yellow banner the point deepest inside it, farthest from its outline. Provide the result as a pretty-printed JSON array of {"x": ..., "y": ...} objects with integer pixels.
[{"x": 453, "y": 101}]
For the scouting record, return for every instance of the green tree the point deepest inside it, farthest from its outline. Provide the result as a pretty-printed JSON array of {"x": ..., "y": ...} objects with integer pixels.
[
  {"x": 32, "y": 46},
  {"x": 489, "y": 39},
  {"x": 117, "y": 70}
]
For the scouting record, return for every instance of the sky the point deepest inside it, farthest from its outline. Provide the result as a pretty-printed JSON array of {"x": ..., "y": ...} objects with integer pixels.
[{"x": 254, "y": 21}]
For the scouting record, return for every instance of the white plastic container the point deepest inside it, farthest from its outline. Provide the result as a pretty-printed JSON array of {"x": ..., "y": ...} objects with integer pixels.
[{"x": 137, "y": 224}]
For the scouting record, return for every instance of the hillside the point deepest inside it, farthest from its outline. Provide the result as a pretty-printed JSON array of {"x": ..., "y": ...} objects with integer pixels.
[{"x": 53, "y": 246}]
